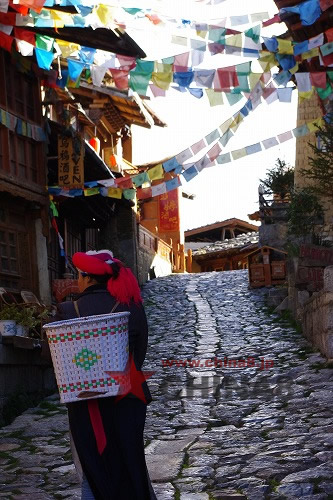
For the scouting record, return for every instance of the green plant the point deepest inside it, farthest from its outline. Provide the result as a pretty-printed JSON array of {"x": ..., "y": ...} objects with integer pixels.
[
  {"x": 10, "y": 312},
  {"x": 279, "y": 179},
  {"x": 304, "y": 212},
  {"x": 321, "y": 163},
  {"x": 28, "y": 317}
]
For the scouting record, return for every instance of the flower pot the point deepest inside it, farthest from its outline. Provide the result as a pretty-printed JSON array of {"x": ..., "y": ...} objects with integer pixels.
[
  {"x": 22, "y": 331},
  {"x": 7, "y": 327}
]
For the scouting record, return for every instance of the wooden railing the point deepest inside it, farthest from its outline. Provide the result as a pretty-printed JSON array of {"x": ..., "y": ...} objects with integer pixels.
[{"x": 154, "y": 244}]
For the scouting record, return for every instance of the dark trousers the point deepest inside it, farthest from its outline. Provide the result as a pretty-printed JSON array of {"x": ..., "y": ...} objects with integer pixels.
[{"x": 120, "y": 473}]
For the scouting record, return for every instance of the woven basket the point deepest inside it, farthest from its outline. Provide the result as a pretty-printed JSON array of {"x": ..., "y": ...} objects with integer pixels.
[{"x": 83, "y": 350}]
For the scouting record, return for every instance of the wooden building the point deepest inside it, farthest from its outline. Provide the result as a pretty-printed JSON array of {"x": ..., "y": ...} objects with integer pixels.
[
  {"x": 32, "y": 113},
  {"x": 23, "y": 198},
  {"x": 267, "y": 266},
  {"x": 227, "y": 255},
  {"x": 219, "y": 231}
]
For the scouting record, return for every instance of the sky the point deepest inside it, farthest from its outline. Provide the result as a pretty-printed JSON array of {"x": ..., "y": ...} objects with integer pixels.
[{"x": 222, "y": 191}]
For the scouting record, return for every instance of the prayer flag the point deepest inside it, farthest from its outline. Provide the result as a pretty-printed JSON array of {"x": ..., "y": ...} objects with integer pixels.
[
  {"x": 156, "y": 172},
  {"x": 158, "y": 189}
]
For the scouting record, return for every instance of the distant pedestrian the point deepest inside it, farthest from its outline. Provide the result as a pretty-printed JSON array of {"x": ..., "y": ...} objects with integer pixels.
[{"x": 119, "y": 472}]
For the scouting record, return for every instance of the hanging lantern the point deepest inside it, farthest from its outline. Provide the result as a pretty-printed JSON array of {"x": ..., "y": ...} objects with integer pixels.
[
  {"x": 113, "y": 161},
  {"x": 96, "y": 144}
]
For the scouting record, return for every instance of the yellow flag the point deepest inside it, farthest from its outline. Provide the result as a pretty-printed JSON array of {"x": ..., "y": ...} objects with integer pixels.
[
  {"x": 226, "y": 125},
  {"x": 162, "y": 80},
  {"x": 254, "y": 79},
  {"x": 115, "y": 193},
  {"x": 90, "y": 191},
  {"x": 215, "y": 98},
  {"x": 313, "y": 126},
  {"x": 310, "y": 53},
  {"x": 202, "y": 34},
  {"x": 162, "y": 68},
  {"x": 156, "y": 172},
  {"x": 67, "y": 48},
  {"x": 236, "y": 122},
  {"x": 285, "y": 47},
  {"x": 234, "y": 41},
  {"x": 305, "y": 95},
  {"x": 267, "y": 61},
  {"x": 238, "y": 153},
  {"x": 105, "y": 14},
  {"x": 61, "y": 18}
]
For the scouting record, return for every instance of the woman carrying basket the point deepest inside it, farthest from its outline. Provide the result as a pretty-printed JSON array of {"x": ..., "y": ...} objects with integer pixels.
[{"x": 108, "y": 432}]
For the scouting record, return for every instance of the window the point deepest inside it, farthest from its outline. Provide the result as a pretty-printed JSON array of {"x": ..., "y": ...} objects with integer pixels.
[
  {"x": 8, "y": 252},
  {"x": 22, "y": 92},
  {"x": 8, "y": 259},
  {"x": 24, "y": 154},
  {"x": 2, "y": 147}
]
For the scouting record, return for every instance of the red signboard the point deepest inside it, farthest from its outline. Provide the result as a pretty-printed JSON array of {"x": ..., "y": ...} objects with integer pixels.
[{"x": 169, "y": 211}]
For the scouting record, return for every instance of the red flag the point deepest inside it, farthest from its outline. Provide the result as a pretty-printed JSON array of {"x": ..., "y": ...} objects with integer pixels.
[
  {"x": 329, "y": 35},
  {"x": 19, "y": 8},
  {"x": 27, "y": 36},
  {"x": 120, "y": 77},
  {"x": 318, "y": 79},
  {"x": 124, "y": 182},
  {"x": 325, "y": 4},
  {"x": 144, "y": 193},
  {"x": 8, "y": 18},
  {"x": 275, "y": 19},
  {"x": 6, "y": 41},
  {"x": 227, "y": 78}
]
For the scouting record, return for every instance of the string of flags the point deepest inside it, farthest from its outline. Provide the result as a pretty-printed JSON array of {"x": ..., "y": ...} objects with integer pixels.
[
  {"x": 137, "y": 186},
  {"x": 139, "y": 75},
  {"x": 21, "y": 127},
  {"x": 224, "y": 133}
]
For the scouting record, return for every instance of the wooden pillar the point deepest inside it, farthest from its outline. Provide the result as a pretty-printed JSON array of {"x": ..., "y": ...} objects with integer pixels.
[
  {"x": 267, "y": 266},
  {"x": 189, "y": 261},
  {"x": 181, "y": 258}
]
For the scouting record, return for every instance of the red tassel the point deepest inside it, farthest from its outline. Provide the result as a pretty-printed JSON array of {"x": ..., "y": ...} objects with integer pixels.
[
  {"x": 125, "y": 287},
  {"x": 97, "y": 425}
]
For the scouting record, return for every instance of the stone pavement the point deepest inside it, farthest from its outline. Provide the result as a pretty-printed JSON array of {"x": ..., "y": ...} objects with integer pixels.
[{"x": 246, "y": 431}]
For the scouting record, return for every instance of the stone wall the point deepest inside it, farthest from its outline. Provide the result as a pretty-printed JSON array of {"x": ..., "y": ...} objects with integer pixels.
[
  {"x": 317, "y": 316},
  {"x": 24, "y": 371},
  {"x": 273, "y": 235},
  {"x": 153, "y": 256}
]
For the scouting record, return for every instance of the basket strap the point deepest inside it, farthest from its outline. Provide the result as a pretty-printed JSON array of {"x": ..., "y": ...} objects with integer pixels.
[
  {"x": 76, "y": 307},
  {"x": 115, "y": 307}
]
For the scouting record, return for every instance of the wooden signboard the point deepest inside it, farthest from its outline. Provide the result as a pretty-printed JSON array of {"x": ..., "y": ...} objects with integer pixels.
[
  {"x": 169, "y": 211},
  {"x": 70, "y": 162}
]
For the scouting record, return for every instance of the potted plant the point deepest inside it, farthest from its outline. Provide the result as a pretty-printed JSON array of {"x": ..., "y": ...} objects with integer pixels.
[
  {"x": 27, "y": 319},
  {"x": 8, "y": 316}
]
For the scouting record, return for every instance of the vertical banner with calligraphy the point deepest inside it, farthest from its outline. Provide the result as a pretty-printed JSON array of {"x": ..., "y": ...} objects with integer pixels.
[
  {"x": 70, "y": 162},
  {"x": 169, "y": 211}
]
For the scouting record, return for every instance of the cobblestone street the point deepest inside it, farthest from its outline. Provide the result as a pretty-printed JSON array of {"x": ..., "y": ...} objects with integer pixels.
[{"x": 260, "y": 428}]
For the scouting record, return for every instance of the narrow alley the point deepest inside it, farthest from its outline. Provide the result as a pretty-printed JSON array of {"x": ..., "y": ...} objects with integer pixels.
[{"x": 241, "y": 410}]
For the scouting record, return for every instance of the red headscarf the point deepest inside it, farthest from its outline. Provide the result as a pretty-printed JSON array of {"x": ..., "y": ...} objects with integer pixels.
[{"x": 124, "y": 288}]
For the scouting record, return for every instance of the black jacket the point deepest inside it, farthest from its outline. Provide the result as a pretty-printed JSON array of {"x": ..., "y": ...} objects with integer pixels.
[{"x": 97, "y": 300}]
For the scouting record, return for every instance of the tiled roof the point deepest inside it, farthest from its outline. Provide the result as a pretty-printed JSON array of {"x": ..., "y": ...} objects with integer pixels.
[{"x": 241, "y": 242}]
